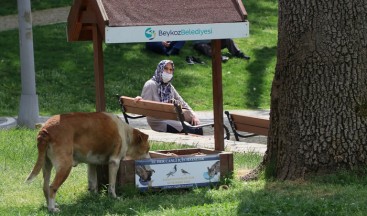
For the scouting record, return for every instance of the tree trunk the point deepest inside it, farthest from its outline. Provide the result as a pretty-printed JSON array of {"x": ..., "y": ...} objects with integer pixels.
[{"x": 318, "y": 117}]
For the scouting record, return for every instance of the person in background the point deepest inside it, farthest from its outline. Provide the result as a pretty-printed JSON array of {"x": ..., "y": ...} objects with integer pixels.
[
  {"x": 159, "y": 88},
  {"x": 204, "y": 47},
  {"x": 165, "y": 47}
]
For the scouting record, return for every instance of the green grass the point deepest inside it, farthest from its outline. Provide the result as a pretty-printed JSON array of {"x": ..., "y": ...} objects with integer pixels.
[
  {"x": 10, "y": 7},
  {"x": 337, "y": 194},
  {"x": 65, "y": 73}
]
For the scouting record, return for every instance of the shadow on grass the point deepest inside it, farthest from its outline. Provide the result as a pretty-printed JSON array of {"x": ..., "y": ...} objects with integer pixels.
[
  {"x": 304, "y": 198},
  {"x": 273, "y": 198},
  {"x": 340, "y": 192},
  {"x": 257, "y": 70},
  {"x": 135, "y": 203}
]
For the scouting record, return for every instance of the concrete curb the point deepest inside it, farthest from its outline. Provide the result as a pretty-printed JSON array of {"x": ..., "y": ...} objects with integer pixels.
[{"x": 7, "y": 122}]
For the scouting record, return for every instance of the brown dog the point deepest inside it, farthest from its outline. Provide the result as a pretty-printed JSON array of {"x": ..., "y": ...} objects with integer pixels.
[{"x": 93, "y": 138}]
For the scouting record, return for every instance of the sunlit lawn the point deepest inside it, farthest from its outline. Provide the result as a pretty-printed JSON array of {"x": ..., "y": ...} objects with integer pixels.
[
  {"x": 65, "y": 74},
  {"x": 339, "y": 194},
  {"x": 65, "y": 82}
]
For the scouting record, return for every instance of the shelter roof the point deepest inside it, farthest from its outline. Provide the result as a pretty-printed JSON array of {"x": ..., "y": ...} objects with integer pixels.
[
  {"x": 172, "y": 12},
  {"x": 127, "y": 13}
]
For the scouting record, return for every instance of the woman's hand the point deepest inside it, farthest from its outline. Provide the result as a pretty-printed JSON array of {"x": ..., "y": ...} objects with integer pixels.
[
  {"x": 195, "y": 120},
  {"x": 166, "y": 43},
  {"x": 137, "y": 98}
]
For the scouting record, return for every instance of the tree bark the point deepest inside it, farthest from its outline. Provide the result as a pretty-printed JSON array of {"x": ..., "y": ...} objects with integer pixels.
[{"x": 318, "y": 118}]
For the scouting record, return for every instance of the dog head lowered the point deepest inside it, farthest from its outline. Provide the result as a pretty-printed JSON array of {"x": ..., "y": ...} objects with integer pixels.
[{"x": 139, "y": 148}]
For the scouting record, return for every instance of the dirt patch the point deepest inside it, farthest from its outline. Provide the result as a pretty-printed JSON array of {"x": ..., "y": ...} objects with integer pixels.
[{"x": 241, "y": 172}]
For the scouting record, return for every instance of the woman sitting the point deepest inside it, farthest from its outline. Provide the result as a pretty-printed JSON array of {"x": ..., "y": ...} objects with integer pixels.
[{"x": 159, "y": 88}]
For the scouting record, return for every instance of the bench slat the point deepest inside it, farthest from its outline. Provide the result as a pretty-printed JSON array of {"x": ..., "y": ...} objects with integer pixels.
[
  {"x": 251, "y": 121},
  {"x": 252, "y": 125},
  {"x": 151, "y": 113},
  {"x": 147, "y": 104},
  {"x": 251, "y": 129},
  {"x": 159, "y": 110},
  {"x": 149, "y": 108}
]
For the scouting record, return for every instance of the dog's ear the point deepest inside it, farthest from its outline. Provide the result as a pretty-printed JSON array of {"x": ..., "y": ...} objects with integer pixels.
[
  {"x": 140, "y": 136},
  {"x": 143, "y": 136},
  {"x": 140, "y": 141}
]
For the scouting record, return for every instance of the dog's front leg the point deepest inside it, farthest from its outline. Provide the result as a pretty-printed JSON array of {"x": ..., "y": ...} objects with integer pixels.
[
  {"x": 113, "y": 167},
  {"x": 92, "y": 178}
]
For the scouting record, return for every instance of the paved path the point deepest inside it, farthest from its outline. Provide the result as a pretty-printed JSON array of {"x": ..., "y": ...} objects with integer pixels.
[
  {"x": 253, "y": 144},
  {"x": 42, "y": 17}
]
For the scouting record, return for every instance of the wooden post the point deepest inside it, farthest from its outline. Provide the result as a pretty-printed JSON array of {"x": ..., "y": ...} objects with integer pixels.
[
  {"x": 217, "y": 95},
  {"x": 102, "y": 170},
  {"x": 98, "y": 69}
]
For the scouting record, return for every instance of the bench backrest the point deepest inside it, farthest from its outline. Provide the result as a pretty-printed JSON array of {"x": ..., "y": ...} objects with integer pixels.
[
  {"x": 149, "y": 108},
  {"x": 250, "y": 124}
]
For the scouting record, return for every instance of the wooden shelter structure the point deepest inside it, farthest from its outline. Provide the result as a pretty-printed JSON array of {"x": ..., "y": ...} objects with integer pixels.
[{"x": 126, "y": 21}]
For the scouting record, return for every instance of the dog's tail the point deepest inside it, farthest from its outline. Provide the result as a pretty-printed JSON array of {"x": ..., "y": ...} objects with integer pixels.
[{"x": 42, "y": 143}]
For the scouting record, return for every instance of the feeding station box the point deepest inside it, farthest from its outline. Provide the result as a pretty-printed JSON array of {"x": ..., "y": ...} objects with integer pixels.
[{"x": 182, "y": 168}]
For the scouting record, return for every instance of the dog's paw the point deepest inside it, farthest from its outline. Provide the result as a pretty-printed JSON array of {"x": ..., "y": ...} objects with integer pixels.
[
  {"x": 112, "y": 193},
  {"x": 93, "y": 190},
  {"x": 54, "y": 210}
]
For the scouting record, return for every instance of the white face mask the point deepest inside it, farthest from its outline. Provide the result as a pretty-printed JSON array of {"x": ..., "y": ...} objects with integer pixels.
[{"x": 166, "y": 77}]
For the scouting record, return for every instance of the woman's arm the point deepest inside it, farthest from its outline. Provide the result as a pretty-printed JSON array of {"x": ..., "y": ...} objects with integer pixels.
[
  {"x": 178, "y": 98},
  {"x": 194, "y": 119},
  {"x": 149, "y": 91}
]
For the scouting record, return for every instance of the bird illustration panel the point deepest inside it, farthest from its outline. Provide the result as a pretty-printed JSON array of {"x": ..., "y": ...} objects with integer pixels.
[{"x": 177, "y": 172}]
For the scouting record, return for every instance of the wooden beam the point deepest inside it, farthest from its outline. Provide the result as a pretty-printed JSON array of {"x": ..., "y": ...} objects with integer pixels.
[
  {"x": 217, "y": 95},
  {"x": 88, "y": 16},
  {"x": 102, "y": 19},
  {"x": 242, "y": 9},
  {"x": 74, "y": 26},
  {"x": 98, "y": 69}
]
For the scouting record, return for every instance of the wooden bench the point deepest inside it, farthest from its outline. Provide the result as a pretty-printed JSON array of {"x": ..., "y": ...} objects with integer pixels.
[
  {"x": 251, "y": 125},
  {"x": 166, "y": 111}
]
